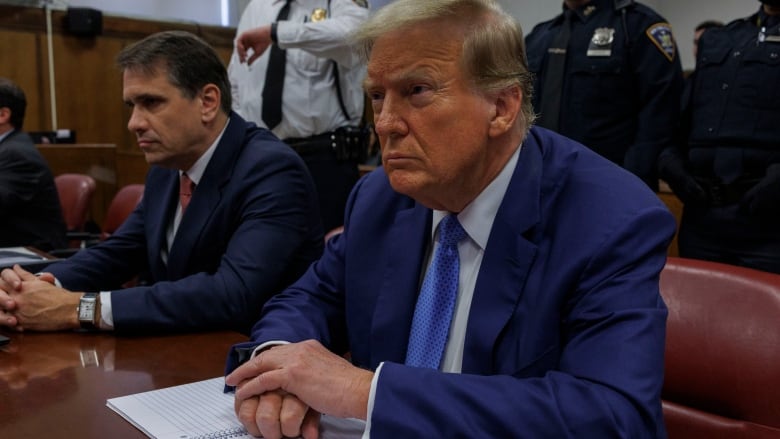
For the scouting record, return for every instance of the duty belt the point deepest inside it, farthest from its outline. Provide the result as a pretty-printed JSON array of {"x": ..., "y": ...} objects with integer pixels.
[
  {"x": 303, "y": 145},
  {"x": 720, "y": 194}
]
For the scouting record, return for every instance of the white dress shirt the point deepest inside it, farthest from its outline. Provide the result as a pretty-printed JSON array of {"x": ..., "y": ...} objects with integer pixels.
[{"x": 309, "y": 98}]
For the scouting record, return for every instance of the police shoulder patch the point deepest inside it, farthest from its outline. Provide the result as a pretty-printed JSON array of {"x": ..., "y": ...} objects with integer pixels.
[
  {"x": 661, "y": 36},
  {"x": 361, "y": 3}
]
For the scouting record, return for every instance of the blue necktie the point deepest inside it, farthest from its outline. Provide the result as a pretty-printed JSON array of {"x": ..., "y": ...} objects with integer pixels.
[{"x": 433, "y": 313}]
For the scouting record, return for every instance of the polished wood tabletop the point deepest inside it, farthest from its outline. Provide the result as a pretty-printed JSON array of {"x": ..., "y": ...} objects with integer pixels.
[{"x": 55, "y": 385}]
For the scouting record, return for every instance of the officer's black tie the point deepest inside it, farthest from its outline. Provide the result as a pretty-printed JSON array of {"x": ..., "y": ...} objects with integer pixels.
[
  {"x": 274, "y": 78},
  {"x": 552, "y": 87}
]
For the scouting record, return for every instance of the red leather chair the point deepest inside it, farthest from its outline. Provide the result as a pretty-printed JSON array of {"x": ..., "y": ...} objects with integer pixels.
[
  {"x": 121, "y": 206},
  {"x": 722, "y": 351},
  {"x": 75, "y": 191},
  {"x": 333, "y": 232}
]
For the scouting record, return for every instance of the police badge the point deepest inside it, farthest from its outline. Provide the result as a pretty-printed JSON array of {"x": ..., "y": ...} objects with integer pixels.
[
  {"x": 601, "y": 42},
  {"x": 318, "y": 14}
]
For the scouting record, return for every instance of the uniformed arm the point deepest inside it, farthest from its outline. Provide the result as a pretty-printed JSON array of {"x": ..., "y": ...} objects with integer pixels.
[
  {"x": 327, "y": 38},
  {"x": 659, "y": 82}
]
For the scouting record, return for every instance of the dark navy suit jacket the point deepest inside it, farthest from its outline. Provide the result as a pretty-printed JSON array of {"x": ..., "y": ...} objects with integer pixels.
[
  {"x": 29, "y": 202},
  {"x": 250, "y": 230},
  {"x": 565, "y": 336}
]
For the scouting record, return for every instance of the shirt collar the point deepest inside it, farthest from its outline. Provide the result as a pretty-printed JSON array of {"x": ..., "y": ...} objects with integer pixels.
[
  {"x": 477, "y": 218},
  {"x": 196, "y": 171},
  {"x": 6, "y": 134}
]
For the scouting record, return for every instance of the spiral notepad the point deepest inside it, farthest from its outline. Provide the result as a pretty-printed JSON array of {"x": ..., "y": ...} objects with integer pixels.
[{"x": 201, "y": 410}]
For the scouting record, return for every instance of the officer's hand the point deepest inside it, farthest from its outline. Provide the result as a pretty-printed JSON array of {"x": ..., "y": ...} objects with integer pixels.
[
  {"x": 253, "y": 43},
  {"x": 764, "y": 197},
  {"x": 688, "y": 190}
]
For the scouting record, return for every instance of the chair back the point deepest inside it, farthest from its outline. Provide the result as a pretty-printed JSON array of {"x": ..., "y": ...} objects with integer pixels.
[
  {"x": 123, "y": 203},
  {"x": 75, "y": 192},
  {"x": 722, "y": 373},
  {"x": 333, "y": 232}
]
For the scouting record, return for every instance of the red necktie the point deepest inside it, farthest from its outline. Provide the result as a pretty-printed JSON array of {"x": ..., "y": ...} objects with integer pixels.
[{"x": 186, "y": 186}]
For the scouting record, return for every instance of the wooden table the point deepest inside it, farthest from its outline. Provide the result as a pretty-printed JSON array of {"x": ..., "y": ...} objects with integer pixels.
[{"x": 55, "y": 385}]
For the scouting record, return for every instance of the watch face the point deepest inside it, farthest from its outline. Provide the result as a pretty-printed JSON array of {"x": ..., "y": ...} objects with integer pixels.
[{"x": 86, "y": 310}]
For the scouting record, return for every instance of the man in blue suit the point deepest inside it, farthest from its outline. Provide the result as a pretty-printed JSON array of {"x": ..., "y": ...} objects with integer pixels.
[
  {"x": 246, "y": 227},
  {"x": 557, "y": 328}
]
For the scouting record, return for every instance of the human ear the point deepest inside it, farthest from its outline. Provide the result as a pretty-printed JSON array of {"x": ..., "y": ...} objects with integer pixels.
[
  {"x": 507, "y": 104},
  {"x": 211, "y": 100}
]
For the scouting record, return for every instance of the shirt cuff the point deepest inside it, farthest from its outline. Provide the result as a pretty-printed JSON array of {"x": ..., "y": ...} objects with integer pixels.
[
  {"x": 106, "y": 316},
  {"x": 371, "y": 396},
  {"x": 266, "y": 345}
]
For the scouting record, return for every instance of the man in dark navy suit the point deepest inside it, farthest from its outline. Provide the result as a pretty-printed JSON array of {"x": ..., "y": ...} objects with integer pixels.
[
  {"x": 30, "y": 206},
  {"x": 228, "y": 217}
]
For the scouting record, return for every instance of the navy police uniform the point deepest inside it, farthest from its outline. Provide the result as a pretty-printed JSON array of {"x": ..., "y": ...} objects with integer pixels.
[
  {"x": 622, "y": 83},
  {"x": 726, "y": 165}
]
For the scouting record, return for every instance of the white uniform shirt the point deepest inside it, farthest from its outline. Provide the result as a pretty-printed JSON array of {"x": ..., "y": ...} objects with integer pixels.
[{"x": 310, "y": 103}]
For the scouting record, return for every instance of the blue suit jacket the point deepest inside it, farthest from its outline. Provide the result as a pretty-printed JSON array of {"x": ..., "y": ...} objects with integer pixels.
[
  {"x": 250, "y": 230},
  {"x": 566, "y": 331}
]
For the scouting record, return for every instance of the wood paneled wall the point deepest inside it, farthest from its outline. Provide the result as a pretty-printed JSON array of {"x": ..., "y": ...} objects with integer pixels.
[{"x": 88, "y": 86}]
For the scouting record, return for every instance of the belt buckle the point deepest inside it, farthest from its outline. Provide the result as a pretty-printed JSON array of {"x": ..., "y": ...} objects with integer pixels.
[{"x": 717, "y": 195}]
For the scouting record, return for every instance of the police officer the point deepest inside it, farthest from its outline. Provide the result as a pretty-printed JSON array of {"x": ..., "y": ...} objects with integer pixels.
[
  {"x": 608, "y": 75},
  {"x": 298, "y": 53},
  {"x": 726, "y": 165}
]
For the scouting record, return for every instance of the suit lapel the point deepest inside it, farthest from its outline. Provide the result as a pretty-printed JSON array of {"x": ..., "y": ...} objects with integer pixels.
[
  {"x": 399, "y": 288},
  {"x": 205, "y": 198},
  {"x": 159, "y": 200},
  {"x": 506, "y": 263}
]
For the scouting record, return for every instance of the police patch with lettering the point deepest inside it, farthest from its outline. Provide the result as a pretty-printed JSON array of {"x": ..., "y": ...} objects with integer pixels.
[{"x": 661, "y": 35}]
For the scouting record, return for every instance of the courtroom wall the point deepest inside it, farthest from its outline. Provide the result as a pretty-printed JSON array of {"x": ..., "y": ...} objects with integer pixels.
[{"x": 88, "y": 87}]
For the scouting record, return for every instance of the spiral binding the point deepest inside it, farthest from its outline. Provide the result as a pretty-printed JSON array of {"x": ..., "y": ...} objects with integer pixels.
[{"x": 223, "y": 434}]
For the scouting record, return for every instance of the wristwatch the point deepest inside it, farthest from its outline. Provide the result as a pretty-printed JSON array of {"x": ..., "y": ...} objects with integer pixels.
[{"x": 89, "y": 311}]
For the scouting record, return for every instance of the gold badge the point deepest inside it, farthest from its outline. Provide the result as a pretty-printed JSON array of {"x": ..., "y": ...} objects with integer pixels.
[
  {"x": 589, "y": 10},
  {"x": 318, "y": 14}
]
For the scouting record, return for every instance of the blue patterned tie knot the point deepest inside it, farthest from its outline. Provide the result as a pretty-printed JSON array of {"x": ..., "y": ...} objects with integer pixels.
[
  {"x": 450, "y": 231},
  {"x": 435, "y": 304}
]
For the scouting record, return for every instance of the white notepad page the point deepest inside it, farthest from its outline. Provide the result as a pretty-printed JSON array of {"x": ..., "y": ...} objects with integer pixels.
[{"x": 202, "y": 410}]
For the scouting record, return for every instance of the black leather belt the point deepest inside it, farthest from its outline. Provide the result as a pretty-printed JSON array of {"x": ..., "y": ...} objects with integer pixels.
[{"x": 314, "y": 143}]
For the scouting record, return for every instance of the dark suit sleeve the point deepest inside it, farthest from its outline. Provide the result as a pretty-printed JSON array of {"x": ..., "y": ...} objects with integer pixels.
[
  {"x": 20, "y": 175},
  {"x": 311, "y": 308},
  {"x": 263, "y": 221}
]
